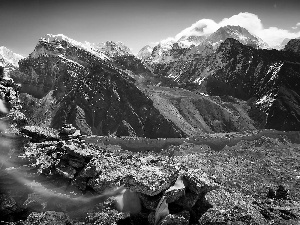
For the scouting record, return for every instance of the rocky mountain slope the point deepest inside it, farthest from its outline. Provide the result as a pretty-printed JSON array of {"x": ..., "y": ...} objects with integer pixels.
[
  {"x": 197, "y": 113},
  {"x": 65, "y": 81},
  {"x": 293, "y": 45},
  {"x": 267, "y": 78},
  {"x": 270, "y": 77},
  {"x": 113, "y": 49}
]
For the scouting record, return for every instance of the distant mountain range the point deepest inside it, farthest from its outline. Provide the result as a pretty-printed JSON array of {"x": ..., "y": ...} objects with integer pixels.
[
  {"x": 168, "y": 51},
  {"x": 223, "y": 82},
  {"x": 9, "y": 60}
]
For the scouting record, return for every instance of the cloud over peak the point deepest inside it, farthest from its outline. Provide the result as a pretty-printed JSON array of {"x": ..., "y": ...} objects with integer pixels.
[{"x": 272, "y": 35}]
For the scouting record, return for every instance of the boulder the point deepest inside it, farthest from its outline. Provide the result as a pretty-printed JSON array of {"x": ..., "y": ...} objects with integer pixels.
[{"x": 40, "y": 134}]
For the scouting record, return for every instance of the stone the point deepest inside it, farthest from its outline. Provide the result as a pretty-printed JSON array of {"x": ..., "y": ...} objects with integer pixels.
[
  {"x": 80, "y": 183},
  {"x": 188, "y": 200},
  {"x": 76, "y": 151},
  {"x": 176, "y": 191},
  {"x": 76, "y": 162},
  {"x": 151, "y": 180},
  {"x": 89, "y": 170},
  {"x": 40, "y": 134},
  {"x": 65, "y": 170},
  {"x": 282, "y": 192},
  {"x": 47, "y": 218},
  {"x": 67, "y": 129},
  {"x": 198, "y": 181},
  {"x": 150, "y": 202},
  {"x": 176, "y": 219},
  {"x": 106, "y": 216}
]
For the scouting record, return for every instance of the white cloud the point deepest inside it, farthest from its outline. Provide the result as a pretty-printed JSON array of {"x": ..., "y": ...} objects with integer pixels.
[
  {"x": 200, "y": 28},
  {"x": 247, "y": 20},
  {"x": 272, "y": 35},
  {"x": 297, "y": 26}
]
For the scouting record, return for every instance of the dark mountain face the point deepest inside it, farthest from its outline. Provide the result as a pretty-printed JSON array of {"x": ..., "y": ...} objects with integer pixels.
[
  {"x": 104, "y": 102},
  {"x": 75, "y": 86},
  {"x": 269, "y": 76},
  {"x": 62, "y": 82},
  {"x": 293, "y": 46},
  {"x": 245, "y": 72}
]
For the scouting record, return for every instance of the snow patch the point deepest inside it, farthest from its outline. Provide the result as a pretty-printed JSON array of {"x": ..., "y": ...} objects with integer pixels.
[
  {"x": 274, "y": 69},
  {"x": 266, "y": 101},
  {"x": 174, "y": 76},
  {"x": 199, "y": 80}
]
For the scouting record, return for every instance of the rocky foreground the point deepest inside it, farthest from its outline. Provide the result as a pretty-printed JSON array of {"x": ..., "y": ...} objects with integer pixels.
[{"x": 58, "y": 178}]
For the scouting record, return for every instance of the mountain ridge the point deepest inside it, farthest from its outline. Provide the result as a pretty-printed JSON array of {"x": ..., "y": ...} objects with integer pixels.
[{"x": 61, "y": 75}]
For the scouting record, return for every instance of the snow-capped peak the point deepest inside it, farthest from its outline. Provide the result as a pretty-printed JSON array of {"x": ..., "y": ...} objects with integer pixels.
[
  {"x": 113, "y": 49},
  {"x": 145, "y": 52},
  {"x": 239, "y": 33},
  {"x": 57, "y": 39},
  {"x": 8, "y": 57},
  {"x": 191, "y": 40}
]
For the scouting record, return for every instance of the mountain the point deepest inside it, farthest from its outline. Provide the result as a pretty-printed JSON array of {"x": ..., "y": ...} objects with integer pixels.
[
  {"x": 236, "y": 32},
  {"x": 167, "y": 56},
  {"x": 9, "y": 60},
  {"x": 268, "y": 77},
  {"x": 107, "y": 90},
  {"x": 192, "y": 40},
  {"x": 166, "y": 51},
  {"x": 197, "y": 113},
  {"x": 265, "y": 78},
  {"x": 113, "y": 49},
  {"x": 161, "y": 53},
  {"x": 282, "y": 44},
  {"x": 145, "y": 52},
  {"x": 293, "y": 45},
  {"x": 64, "y": 81}
]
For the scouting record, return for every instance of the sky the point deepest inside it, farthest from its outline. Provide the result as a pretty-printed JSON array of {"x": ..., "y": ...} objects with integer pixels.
[{"x": 137, "y": 23}]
